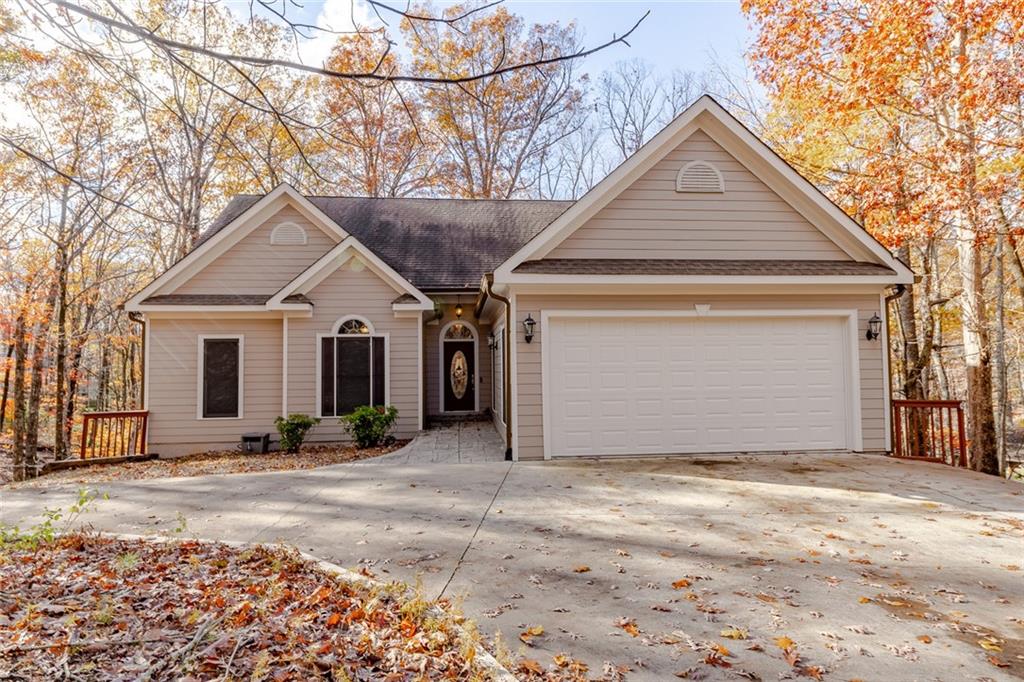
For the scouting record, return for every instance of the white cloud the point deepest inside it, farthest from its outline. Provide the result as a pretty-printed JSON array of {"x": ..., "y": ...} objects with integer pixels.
[{"x": 335, "y": 15}]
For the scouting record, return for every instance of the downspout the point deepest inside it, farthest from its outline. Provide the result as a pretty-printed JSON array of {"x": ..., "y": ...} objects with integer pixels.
[
  {"x": 141, "y": 320},
  {"x": 900, "y": 290},
  {"x": 485, "y": 292}
]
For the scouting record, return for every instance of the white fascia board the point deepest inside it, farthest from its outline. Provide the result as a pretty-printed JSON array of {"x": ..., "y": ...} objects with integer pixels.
[
  {"x": 414, "y": 307},
  {"x": 230, "y": 234},
  {"x": 745, "y": 280}
]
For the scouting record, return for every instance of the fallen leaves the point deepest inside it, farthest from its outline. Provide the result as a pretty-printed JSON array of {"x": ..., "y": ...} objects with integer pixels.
[
  {"x": 527, "y": 635},
  {"x": 581, "y": 569},
  {"x": 734, "y": 633},
  {"x": 681, "y": 584},
  {"x": 629, "y": 625},
  {"x": 100, "y": 608}
]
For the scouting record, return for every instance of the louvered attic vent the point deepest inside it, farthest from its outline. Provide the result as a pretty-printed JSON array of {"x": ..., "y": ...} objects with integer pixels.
[
  {"x": 699, "y": 176},
  {"x": 288, "y": 234}
]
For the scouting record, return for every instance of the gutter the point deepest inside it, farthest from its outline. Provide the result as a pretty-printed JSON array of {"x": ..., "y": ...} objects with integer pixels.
[
  {"x": 485, "y": 292},
  {"x": 899, "y": 291}
]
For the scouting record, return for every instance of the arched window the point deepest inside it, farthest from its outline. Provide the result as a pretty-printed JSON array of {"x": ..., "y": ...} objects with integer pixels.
[
  {"x": 353, "y": 367},
  {"x": 288, "y": 234},
  {"x": 699, "y": 176},
  {"x": 459, "y": 331},
  {"x": 352, "y": 325}
]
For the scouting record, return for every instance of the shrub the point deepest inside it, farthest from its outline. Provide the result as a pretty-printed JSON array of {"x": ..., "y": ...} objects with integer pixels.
[
  {"x": 369, "y": 426},
  {"x": 293, "y": 430}
]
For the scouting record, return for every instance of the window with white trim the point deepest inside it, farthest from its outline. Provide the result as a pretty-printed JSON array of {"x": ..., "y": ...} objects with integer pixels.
[
  {"x": 353, "y": 368},
  {"x": 220, "y": 373}
]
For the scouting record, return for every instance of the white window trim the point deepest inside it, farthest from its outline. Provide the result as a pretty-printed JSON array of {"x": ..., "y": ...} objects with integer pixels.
[
  {"x": 319, "y": 352},
  {"x": 476, "y": 367},
  {"x": 851, "y": 353},
  {"x": 201, "y": 370},
  {"x": 290, "y": 224}
]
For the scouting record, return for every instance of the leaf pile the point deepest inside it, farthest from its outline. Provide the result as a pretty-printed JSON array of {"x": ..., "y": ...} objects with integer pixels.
[
  {"x": 205, "y": 463},
  {"x": 88, "y": 607}
]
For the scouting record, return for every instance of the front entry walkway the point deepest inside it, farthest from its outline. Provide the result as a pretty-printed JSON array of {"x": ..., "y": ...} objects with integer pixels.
[{"x": 464, "y": 442}]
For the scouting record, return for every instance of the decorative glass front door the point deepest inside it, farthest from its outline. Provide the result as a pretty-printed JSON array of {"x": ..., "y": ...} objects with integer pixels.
[{"x": 459, "y": 376}]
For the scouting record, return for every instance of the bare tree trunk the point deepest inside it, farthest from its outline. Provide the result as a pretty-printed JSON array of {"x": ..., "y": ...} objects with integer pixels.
[
  {"x": 999, "y": 357},
  {"x": 7, "y": 385},
  {"x": 60, "y": 445},
  {"x": 20, "y": 411},
  {"x": 977, "y": 357}
]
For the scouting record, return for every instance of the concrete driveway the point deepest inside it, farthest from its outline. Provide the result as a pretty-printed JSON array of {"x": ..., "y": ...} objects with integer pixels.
[{"x": 873, "y": 568}]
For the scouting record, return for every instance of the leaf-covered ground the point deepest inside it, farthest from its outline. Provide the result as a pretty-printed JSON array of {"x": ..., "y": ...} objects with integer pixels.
[
  {"x": 202, "y": 464},
  {"x": 89, "y": 607}
]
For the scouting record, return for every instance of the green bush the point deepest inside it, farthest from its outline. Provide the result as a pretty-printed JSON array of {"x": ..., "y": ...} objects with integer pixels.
[
  {"x": 293, "y": 430},
  {"x": 369, "y": 426}
]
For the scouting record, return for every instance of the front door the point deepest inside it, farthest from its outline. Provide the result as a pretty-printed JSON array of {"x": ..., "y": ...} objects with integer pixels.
[{"x": 459, "y": 376}]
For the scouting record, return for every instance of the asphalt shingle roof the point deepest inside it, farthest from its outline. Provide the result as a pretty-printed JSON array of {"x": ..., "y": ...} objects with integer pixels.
[
  {"x": 207, "y": 299},
  {"x": 666, "y": 266},
  {"x": 433, "y": 243}
]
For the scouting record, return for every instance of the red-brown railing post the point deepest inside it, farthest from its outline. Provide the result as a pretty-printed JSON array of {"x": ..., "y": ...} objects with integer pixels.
[
  {"x": 114, "y": 434},
  {"x": 923, "y": 429}
]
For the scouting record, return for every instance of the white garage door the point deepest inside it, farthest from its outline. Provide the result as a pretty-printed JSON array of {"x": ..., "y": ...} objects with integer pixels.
[{"x": 621, "y": 386}]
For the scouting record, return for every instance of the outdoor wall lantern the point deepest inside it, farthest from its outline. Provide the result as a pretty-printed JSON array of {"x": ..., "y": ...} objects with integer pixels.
[
  {"x": 528, "y": 326},
  {"x": 874, "y": 327},
  {"x": 458, "y": 310}
]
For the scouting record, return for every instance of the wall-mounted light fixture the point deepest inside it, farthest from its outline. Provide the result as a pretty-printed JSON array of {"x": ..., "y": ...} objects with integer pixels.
[
  {"x": 458, "y": 309},
  {"x": 528, "y": 326},
  {"x": 874, "y": 328}
]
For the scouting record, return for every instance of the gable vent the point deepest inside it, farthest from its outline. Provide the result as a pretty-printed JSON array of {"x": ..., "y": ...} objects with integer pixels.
[
  {"x": 699, "y": 176},
  {"x": 288, "y": 234}
]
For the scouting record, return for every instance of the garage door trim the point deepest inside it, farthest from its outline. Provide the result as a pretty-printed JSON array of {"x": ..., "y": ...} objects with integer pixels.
[{"x": 854, "y": 434}]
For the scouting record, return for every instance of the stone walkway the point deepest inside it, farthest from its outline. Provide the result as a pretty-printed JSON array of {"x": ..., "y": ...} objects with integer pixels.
[{"x": 469, "y": 442}]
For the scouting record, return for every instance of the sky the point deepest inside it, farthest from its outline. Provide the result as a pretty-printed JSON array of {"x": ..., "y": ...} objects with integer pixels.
[{"x": 679, "y": 34}]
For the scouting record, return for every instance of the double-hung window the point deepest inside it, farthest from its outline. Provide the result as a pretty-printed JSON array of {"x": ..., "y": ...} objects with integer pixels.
[
  {"x": 220, "y": 377},
  {"x": 353, "y": 368}
]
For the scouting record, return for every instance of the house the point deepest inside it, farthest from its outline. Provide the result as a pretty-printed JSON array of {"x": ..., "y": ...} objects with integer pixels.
[{"x": 703, "y": 297}]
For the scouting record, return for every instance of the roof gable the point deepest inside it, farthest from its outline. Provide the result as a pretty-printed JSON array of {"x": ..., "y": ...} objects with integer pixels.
[
  {"x": 215, "y": 245},
  {"x": 349, "y": 249},
  {"x": 728, "y": 213},
  {"x": 724, "y": 130}
]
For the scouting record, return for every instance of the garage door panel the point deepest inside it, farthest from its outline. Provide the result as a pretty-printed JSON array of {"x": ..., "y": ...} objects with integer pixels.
[{"x": 677, "y": 385}]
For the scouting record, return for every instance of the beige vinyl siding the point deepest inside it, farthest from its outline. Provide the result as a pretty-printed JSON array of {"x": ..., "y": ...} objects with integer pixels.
[
  {"x": 349, "y": 291},
  {"x": 432, "y": 358},
  {"x": 174, "y": 383},
  {"x": 651, "y": 220},
  {"x": 255, "y": 266},
  {"x": 528, "y": 358}
]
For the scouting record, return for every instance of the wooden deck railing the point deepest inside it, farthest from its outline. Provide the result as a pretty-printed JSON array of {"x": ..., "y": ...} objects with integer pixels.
[
  {"x": 931, "y": 430},
  {"x": 114, "y": 434}
]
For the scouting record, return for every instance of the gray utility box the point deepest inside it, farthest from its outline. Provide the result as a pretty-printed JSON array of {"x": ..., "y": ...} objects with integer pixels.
[{"x": 256, "y": 442}]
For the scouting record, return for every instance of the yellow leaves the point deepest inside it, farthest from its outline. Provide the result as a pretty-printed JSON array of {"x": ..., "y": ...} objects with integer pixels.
[
  {"x": 733, "y": 633},
  {"x": 924, "y": 639},
  {"x": 721, "y": 650},
  {"x": 785, "y": 643},
  {"x": 990, "y": 644},
  {"x": 527, "y": 635}
]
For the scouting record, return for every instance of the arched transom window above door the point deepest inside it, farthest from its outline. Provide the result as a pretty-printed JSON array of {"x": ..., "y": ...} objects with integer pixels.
[{"x": 458, "y": 331}]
